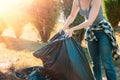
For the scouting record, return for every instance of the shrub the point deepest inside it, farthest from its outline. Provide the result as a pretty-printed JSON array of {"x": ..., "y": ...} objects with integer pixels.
[
  {"x": 44, "y": 14},
  {"x": 2, "y": 25},
  {"x": 112, "y": 11}
]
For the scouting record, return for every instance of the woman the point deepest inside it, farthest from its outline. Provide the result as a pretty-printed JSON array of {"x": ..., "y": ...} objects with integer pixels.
[{"x": 99, "y": 36}]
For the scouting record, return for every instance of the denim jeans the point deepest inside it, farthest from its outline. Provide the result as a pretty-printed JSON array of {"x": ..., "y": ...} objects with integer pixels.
[{"x": 101, "y": 54}]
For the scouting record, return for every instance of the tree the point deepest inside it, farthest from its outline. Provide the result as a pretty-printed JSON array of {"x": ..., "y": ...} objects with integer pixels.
[
  {"x": 43, "y": 14},
  {"x": 2, "y": 25},
  {"x": 112, "y": 11}
]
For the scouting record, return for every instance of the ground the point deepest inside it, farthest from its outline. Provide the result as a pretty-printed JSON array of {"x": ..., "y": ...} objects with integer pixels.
[{"x": 17, "y": 53}]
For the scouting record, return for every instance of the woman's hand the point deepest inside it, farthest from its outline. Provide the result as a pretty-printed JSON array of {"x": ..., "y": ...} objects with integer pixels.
[
  {"x": 70, "y": 32},
  {"x": 60, "y": 31}
]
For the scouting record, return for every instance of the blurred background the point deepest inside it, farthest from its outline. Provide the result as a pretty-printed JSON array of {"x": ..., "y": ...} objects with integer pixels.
[{"x": 27, "y": 25}]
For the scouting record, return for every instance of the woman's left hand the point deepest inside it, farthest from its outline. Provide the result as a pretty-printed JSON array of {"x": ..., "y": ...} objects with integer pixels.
[{"x": 70, "y": 32}]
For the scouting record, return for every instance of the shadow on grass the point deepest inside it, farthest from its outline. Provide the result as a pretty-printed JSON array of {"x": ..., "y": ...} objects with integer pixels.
[
  {"x": 7, "y": 75},
  {"x": 4, "y": 76},
  {"x": 20, "y": 44}
]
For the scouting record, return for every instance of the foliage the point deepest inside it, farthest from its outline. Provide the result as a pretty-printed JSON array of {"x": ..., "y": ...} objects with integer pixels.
[
  {"x": 112, "y": 11},
  {"x": 41, "y": 13},
  {"x": 44, "y": 15},
  {"x": 2, "y": 25},
  {"x": 67, "y": 5}
]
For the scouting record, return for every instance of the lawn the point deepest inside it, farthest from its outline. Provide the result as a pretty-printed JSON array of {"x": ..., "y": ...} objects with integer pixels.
[{"x": 17, "y": 53}]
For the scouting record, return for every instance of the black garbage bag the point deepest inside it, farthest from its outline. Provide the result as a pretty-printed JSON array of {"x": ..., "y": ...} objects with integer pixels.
[
  {"x": 37, "y": 75},
  {"x": 64, "y": 59},
  {"x": 32, "y": 73},
  {"x": 24, "y": 73}
]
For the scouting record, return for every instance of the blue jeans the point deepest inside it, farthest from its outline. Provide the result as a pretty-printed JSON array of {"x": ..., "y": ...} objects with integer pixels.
[{"x": 101, "y": 54}]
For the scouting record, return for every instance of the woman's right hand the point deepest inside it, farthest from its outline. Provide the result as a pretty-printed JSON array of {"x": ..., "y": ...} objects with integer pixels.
[{"x": 60, "y": 31}]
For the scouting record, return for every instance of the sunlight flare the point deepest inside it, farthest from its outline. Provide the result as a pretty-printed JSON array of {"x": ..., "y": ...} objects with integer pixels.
[
  {"x": 11, "y": 8},
  {"x": 11, "y": 12}
]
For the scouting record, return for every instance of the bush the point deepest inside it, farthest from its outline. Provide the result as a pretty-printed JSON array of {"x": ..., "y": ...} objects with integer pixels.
[
  {"x": 112, "y": 11},
  {"x": 2, "y": 25},
  {"x": 44, "y": 14}
]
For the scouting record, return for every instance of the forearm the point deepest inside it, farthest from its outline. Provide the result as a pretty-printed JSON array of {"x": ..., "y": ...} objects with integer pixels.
[
  {"x": 92, "y": 15},
  {"x": 69, "y": 20},
  {"x": 85, "y": 24},
  {"x": 72, "y": 15},
  {"x": 95, "y": 7}
]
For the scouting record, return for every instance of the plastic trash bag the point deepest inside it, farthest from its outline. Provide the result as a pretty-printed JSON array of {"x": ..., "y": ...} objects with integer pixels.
[
  {"x": 37, "y": 75},
  {"x": 64, "y": 59},
  {"x": 24, "y": 73},
  {"x": 32, "y": 73}
]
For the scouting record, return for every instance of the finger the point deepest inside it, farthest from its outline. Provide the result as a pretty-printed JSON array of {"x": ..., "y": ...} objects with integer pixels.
[
  {"x": 60, "y": 31},
  {"x": 69, "y": 35}
]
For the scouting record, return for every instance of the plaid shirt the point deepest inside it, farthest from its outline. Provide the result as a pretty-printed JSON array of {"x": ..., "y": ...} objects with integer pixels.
[{"x": 106, "y": 27}]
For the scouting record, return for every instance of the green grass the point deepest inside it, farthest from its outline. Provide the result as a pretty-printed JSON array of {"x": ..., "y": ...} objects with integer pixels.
[
  {"x": 20, "y": 59},
  {"x": 20, "y": 52}
]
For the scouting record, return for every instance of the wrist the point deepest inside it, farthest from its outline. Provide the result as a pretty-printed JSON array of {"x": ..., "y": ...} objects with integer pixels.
[
  {"x": 73, "y": 29},
  {"x": 64, "y": 28}
]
